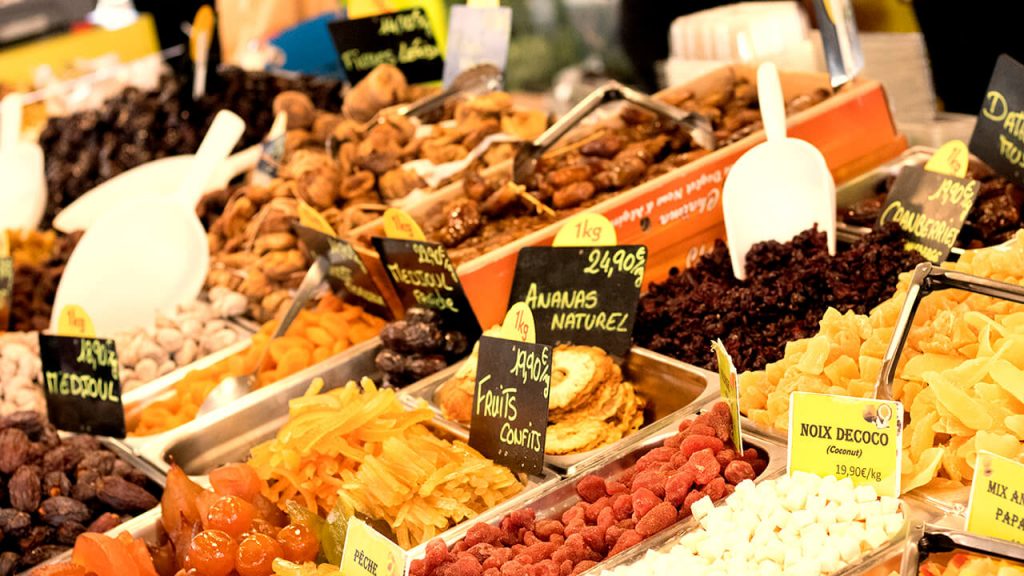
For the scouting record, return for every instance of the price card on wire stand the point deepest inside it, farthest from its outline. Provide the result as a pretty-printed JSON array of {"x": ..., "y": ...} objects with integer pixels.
[
  {"x": 996, "y": 505},
  {"x": 347, "y": 273},
  {"x": 81, "y": 379},
  {"x": 584, "y": 289},
  {"x": 847, "y": 437},
  {"x": 510, "y": 398}
]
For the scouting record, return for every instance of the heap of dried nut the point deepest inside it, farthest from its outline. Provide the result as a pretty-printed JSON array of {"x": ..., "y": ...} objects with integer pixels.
[
  {"x": 193, "y": 331},
  {"x": 20, "y": 370},
  {"x": 253, "y": 249},
  {"x": 613, "y": 157},
  {"x": 55, "y": 489}
]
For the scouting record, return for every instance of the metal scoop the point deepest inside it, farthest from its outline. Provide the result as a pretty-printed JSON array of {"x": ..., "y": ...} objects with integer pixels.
[
  {"x": 479, "y": 78},
  {"x": 928, "y": 278},
  {"x": 927, "y": 539},
  {"x": 234, "y": 387},
  {"x": 695, "y": 124}
]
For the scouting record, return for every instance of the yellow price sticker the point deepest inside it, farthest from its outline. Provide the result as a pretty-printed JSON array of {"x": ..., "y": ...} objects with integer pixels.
[
  {"x": 312, "y": 218},
  {"x": 586, "y": 230},
  {"x": 847, "y": 437},
  {"x": 74, "y": 321},
  {"x": 950, "y": 159},
  {"x": 519, "y": 325},
  {"x": 399, "y": 224},
  {"x": 996, "y": 507},
  {"x": 369, "y": 552}
]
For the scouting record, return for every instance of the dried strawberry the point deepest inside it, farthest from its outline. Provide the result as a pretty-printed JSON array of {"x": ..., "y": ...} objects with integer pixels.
[
  {"x": 613, "y": 534},
  {"x": 701, "y": 429},
  {"x": 651, "y": 480},
  {"x": 523, "y": 518},
  {"x": 643, "y": 501},
  {"x": 622, "y": 506},
  {"x": 738, "y": 471},
  {"x": 716, "y": 489},
  {"x": 592, "y": 510},
  {"x": 704, "y": 466},
  {"x": 614, "y": 487},
  {"x": 692, "y": 497},
  {"x": 593, "y": 536},
  {"x": 678, "y": 486},
  {"x": 590, "y": 488},
  {"x": 693, "y": 444},
  {"x": 545, "y": 528},
  {"x": 720, "y": 419},
  {"x": 725, "y": 456},
  {"x": 673, "y": 441},
  {"x": 628, "y": 539},
  {"x": 573, "y": 513},
  {"x": 661, "y": 454},
  {"x": 583, "y": 567},
  {"x": 657, "y": 519},
  {"x": 481, "y": 532}
]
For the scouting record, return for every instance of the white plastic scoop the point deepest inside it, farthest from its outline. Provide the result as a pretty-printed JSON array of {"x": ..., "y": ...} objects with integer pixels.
[
  {"x": 23, "y": 193},
  {"x": 159, "y": 177},
  {"x": 150, "y": 253},
  {"x": 778, "y": 188}
]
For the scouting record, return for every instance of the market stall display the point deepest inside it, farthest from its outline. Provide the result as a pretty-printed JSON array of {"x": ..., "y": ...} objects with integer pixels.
[
  {"x": 801, "y": 524},
  {"x": 56, "y": 489},
  {"x": 788, "y": 287},
  {"x": 650, "y": 488},
  {"x": 315, "y": 335},
  {"x": 957, "y": 374},
  {"x": 994, "y": 218},
  {"x": 92, "y": 146}
]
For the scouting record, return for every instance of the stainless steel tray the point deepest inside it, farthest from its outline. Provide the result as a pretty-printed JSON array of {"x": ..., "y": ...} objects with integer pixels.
[
  {"x": 672, "y": 389},
  {"x": 556, "y": 498}
]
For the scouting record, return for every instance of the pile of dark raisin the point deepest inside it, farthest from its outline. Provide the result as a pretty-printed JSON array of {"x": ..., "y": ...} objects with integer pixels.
[
  {"x": 417, "y": 347},
  {"x": 88, "y": 148},
  {"x": 52, "y": 489},
  {"x": 35, "y": 287},
  {"x": 788, "y": 288}
]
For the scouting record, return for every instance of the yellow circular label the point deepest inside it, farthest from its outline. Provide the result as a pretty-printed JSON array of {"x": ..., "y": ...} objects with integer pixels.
[
  {"x": 951, "y": 159},
  {"x": 312, "y": 218},
  {"x": 399, "y": 225},
  {"x": 73, "y": 321},
  {"x": 586, "y": 230},
  {"x": 518, "y": 324}
]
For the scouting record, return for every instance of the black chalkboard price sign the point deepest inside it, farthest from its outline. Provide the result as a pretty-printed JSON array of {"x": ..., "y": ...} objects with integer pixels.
[
  {"x": 82, "y": 384},
  {"x": 403, "y": 39},
  {"x": 998, "y": 137},
  {"x": 510, "y": 403},
  {"x": 930, "y": 209},
  {"x": 423, "y": 276},
  {"x": 582, "y": 295},
  {"x": 347, "y": 273},
  {"x": 6, "y": 289}
]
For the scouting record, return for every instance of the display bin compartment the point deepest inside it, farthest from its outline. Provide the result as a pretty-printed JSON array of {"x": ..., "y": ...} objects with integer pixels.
[
  {"x": 673, "y": 389},
  {"x": 853, "y": 128}
]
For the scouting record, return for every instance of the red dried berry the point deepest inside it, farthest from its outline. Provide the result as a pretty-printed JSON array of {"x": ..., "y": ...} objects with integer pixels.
[
  {"x": 673, "y": 441},
  {"x": 614, "y": 488},
  {"x": 662, "y": 454},
  {"x": 574, "y": 527},
  {"x": 716, "y": 489},
  {"x": 692, "y": 497},
  {"x": 523, "y": 518},
  {"x": 622, "y": 506},
  {"x": 643, "y": 501},
  {"x": 593, "y": 536},
  {"x": 592, "y": 510},
  {"x": 627, "y": 524},
  {"x": 541, "y": 551},
  {"x": 678, "y": 460},
  {"x": 565, "y": 568},
  {"x": 737, "y": 471},
  {"x": 606, "y": 517},
  {"x": 660, "y": 517},
  {"x": 701, "y": 428},
  {"x": 721, "y": 420},
  {"x": 694, "y": 444},
  {"x": 482, "y": 533},
  {"x": 583, "y": 567},
  {"x": 725, "y": 456},
  {"x": 590, "y": 488},
  {"x": 573, "y": 513},
  {"x": 545, "y": 528},
  {"x": 678, "y": 486},
  {"x": 704, "y": 466},
  {"x": 613, "y": 534},
  {"x": 685, "y": 425},
  {"x": 651, "y": 480},
  {"x": 729, "y": 489},
  {"x": 628, "y": 539}
]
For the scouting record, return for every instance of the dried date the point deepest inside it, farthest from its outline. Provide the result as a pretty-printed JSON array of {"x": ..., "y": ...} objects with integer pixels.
[
  {"x": 68, "y": 532},
  {"x": 8, "y": 563},
  {"x": 42, "y": 554},
  {"x": 106, "y": 521},
  {"x": 14, "y": 447},
  {"x": 14, "y": 522},
  {"x": 56, "y": 483},
  {"x": 99, "y": 461},
  {"x": 573, "y": 195},
  {"x": 36, "y": 536},
  {"x": 123, "y": 496},
  {"x": 86, "y": 487},
  {"x": 59, "y": 509},
  {"x": 25, "y": 489}
]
